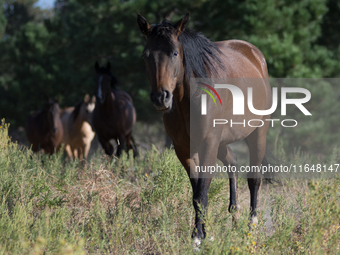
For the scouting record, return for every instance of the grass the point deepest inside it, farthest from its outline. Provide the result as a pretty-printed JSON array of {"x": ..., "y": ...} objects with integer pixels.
[{"x": 144, "y": 206}]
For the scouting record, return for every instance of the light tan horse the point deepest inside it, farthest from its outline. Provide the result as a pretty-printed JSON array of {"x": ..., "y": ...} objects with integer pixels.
[{"x": 78, "y": 133}]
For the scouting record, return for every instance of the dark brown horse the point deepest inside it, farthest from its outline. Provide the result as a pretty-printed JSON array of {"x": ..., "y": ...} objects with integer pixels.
[
  {"x": 114, "y": 114},
  {"x": 174, "y": 56},
  {"x": 44, "y": 129}
]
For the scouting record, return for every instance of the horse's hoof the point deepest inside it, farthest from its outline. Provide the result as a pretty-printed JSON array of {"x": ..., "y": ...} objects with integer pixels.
[
  {"x": 254, "y": 220},
  {"x": 196, "y": 244},
  {"x": 253, "y": 223}
]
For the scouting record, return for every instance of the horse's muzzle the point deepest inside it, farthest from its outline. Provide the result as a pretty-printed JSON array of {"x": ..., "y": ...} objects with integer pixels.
[{"x": 162, "y": 100}]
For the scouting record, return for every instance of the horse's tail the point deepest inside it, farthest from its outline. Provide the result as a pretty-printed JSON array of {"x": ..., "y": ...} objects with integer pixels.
[{"x": 268, "y": 175}]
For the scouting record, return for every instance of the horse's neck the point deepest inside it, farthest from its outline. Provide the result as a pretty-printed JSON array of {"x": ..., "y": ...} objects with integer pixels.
[
  {"x": 78, "y": 122},
  {"x": 109, "y": 104},
  {"x": 43, "y": 119},
  {"x": 182, "y": 98}
]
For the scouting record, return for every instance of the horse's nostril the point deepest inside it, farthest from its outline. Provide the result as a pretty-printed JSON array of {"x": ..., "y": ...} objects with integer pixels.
[{"x": 167, "y": 94}]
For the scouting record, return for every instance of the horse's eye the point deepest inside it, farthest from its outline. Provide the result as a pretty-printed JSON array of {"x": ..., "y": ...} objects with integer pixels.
[{"x": 175, "y": 54}]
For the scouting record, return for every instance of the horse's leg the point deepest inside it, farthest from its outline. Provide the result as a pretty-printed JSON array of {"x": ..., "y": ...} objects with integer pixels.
[
  {"x": 207, "y": 154},
  {"x": 107, "y": 146},
  {"x": 134, "y": 147},
  {"x": 257, "y": 148},
  {"x": 228, "y": 157},
  {"x": 81, "y": 152},
  {"x": 121, "y": 145},
  {"x": 87, "y": 149},
  {"x": 188, "y": 163},
  {"x": 35, "y": 148},
  {"x": 69, "y": 151},
  {"x": 131, "y": 145},
  {"x": 128, "y": 143},
  {"x": 74, "y": 152}
]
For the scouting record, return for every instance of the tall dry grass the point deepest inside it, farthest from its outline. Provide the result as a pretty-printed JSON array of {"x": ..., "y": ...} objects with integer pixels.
[{"x": 143, "y": 206}]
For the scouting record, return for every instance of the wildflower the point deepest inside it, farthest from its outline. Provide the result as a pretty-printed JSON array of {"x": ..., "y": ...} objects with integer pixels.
[
  {"x": 249, "y": 234},
  {"x": 146, "y": 175}
]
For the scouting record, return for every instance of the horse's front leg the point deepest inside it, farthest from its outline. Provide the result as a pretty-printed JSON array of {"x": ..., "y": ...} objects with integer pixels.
[
  {"x": 207, "y": 154},
  {"x": 107, "y": 146},
  {"x": 69, "y": 151},
  {"x": 121, "y": 144}
]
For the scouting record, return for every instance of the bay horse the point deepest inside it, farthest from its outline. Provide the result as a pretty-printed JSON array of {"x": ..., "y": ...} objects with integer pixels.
[
  {"x": 173, "y": 57},
  {"x": 78, "y": 133},
  {"x": 44, "y": 129},
  {"x": 114, "y": 115}
]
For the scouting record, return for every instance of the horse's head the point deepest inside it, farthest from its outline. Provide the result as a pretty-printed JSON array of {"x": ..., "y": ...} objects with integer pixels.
[
  {"x": 104, "y": 81},
  {"x": 88, "y": 106},
  {"x": 52, "y": 112},
  {"x": 163, "y": 55}
]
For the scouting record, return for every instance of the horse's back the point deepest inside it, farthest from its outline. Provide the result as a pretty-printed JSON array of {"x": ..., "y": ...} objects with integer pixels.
[
  {"x": 128, "y": 110},
  {"x": 66, "y": 112},
  {"x": 240, "y": 52},
  {"x": 242, "y": 59},
  {"x": 122, "y": 95}
]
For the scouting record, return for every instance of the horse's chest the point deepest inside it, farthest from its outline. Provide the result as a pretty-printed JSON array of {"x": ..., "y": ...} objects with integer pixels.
[{"x": 177, "y": 127}]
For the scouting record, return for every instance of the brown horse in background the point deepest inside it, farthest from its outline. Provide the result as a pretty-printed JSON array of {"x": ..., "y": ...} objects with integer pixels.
[
  {"x": 174, "y": 55},
  {"x": 44, "y": 129},
  {"x": 78, "y": 133},
  {"x": 114, "y": 114}
]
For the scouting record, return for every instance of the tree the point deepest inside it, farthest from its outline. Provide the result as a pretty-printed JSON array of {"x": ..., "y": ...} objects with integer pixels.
[{"x": 45, "y": 55}]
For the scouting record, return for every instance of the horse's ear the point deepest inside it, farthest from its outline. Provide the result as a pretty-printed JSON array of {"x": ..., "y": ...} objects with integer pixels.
[
  {"x": 96, "y": 66},
  {"x": 87, "y": 98},
  {"x": 181, "y": 24},
  {"x": 143, "y": 24},
  {"x": 108, "y": 66},
  {"x": 93, "y": 99}
]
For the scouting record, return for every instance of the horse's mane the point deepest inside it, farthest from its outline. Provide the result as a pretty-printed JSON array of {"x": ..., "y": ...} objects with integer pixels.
[
  {"x": 200, "y": 54},
  {"x": 114, "y": 81},
  {"x": 76, "y": 111}
]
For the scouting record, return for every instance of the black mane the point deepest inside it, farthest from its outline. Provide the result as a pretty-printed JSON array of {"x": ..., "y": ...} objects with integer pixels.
[
  {"x": 200, "y": 54},
  {"x": 105, "y": 71},
  {"x": 76, "y": 111}
]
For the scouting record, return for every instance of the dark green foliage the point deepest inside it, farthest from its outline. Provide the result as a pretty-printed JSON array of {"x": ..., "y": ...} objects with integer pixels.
[{"x": 44, "y": 54}]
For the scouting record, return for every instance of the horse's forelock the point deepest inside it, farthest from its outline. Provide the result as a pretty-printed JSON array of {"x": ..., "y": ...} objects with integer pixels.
[
  {"x": 164, "y": 32},
  {"x": 104, "y": 71}
]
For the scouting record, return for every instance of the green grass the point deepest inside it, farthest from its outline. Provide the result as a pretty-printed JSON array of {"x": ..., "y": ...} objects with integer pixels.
[{"x": 124, "y": 206}]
